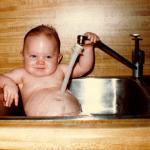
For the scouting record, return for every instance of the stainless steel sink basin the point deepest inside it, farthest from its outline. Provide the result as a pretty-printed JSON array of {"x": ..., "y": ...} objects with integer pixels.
[
  {"x": 112, "y": 97},
  {"x": 102, "y": 98}
]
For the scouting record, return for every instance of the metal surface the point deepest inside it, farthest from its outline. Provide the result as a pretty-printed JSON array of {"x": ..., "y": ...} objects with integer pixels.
[
  {"x": 114, "y": 54},
  {"x": 112, "y": 96}
]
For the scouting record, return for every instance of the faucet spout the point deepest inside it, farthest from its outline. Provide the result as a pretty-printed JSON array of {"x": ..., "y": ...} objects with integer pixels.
[
  {"x": 114, "y": 54},
  {"x": 137, "y": 55}
]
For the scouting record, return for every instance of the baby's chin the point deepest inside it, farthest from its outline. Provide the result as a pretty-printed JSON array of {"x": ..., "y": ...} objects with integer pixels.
[{"x": 39, "y": 72}]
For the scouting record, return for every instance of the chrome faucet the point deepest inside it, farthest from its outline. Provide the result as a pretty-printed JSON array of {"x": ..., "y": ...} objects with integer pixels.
[{"x": 137, "y": 55}]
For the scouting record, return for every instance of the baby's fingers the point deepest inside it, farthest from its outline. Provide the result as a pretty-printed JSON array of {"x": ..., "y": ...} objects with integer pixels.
[
  {"x": 6, "y": 98},
  {"x": 16, "y": 100},
  {"x": 9, "y": 100},
  {"x": 92, "y": 37}
]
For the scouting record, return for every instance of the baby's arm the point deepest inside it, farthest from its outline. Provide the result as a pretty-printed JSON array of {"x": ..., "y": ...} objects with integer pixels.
[
  {"x": 9, "y": 83},
  {"x": 86, "y": 59}
]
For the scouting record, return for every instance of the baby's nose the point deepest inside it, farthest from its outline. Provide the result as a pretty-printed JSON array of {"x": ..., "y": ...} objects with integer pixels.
[{"x": 40, "y": 61}]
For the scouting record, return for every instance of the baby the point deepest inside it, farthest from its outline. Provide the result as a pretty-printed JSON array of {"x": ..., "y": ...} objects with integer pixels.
[{"x": 40, "y": 80}]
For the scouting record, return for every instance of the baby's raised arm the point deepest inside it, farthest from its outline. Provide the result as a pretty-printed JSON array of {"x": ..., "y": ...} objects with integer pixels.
[{"x": 86, "y": 59}]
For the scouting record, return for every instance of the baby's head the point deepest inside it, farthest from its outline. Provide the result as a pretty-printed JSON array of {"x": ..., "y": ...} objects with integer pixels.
[
  {"x": 49, "y": 31},
  {"x": 41, "y": 50}
]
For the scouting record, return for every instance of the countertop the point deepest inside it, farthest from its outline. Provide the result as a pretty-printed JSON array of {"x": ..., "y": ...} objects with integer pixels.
[{"x": 87, "y": 133}]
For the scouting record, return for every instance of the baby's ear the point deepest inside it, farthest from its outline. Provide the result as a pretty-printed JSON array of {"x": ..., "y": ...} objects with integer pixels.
[{"x": 60, "y": 58}]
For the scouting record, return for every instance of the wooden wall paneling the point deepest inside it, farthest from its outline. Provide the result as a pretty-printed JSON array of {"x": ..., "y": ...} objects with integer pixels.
[{"x": 112, "y": 20}]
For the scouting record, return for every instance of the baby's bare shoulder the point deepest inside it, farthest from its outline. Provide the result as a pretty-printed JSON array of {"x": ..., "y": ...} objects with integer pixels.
[
  {"x": 16, "y": 74},
  {"x": 18, "y": 71},
  {"x": 63, "y": 67}
]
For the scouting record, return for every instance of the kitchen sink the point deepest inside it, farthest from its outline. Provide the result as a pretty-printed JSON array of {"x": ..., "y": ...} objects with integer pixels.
[{"x": 113, "y": 97}]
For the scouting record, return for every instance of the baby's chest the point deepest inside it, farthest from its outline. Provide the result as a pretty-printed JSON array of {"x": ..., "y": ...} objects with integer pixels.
[
  {"x": 30, "y": 87},
  {"x": 54, "y": 79},
  {"x": 50, "y": 82}
]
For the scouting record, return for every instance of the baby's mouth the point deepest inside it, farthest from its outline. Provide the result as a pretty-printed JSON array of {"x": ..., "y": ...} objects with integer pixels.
[{"x": 40, "y": 67}]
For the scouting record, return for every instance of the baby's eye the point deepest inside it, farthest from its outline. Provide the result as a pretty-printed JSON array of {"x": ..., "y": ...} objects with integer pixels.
[
  {"x": 33, "y": 56},
  {"x": 48, "y": 57}
]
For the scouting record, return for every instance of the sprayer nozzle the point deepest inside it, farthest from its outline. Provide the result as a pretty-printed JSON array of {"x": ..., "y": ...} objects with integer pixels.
[
  {"x": 77, "y": 48},
  {"x": 81, "y": 39}
]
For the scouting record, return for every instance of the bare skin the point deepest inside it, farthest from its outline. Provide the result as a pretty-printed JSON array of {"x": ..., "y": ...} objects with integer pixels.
[{"x": 41, "y": 78}]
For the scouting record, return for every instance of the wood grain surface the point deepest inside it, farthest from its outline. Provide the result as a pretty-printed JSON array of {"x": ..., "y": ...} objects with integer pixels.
[
  {"x": 112, "y": 20},
  {"x": 75, "y": 134}
]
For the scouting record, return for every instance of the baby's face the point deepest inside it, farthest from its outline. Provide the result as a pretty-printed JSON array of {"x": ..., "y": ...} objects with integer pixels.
[{"x": 41, "y": 55}]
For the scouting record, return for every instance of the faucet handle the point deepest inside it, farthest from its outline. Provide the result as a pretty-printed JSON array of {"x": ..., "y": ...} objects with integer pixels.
[{"x": 136, "y": 36}]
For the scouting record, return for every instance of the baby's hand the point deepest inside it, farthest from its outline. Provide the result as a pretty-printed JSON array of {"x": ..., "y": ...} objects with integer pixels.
[
  {"x": 10, "y": 94},
  {"x": 92, "y": 38}
]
